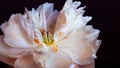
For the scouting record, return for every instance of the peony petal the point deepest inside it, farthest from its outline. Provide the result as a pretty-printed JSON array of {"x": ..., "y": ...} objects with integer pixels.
[
  {"x": 71, "y": 18},
  {"x": 51, "y": 20},
  {"x": 16, "y": 36},
  {"x": 32, "y": 24},
  {"x": 13, "y": 52},
  {"x": 7, "y": 60},
  {"x": 45, "y": 12},
  {"x": 25, "y": 62},
  {"x": 78, "y": 46},
  {"x": 53, "y": 60},
  {"x": 60, "y": 21},
  {"x": 58, "y": 61}
]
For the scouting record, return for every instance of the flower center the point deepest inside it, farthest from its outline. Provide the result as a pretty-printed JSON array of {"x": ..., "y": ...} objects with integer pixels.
[{"x": 47, "y": 40}]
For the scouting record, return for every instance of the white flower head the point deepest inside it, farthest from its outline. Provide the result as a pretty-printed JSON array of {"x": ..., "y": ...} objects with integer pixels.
[{"x": 47, "y": 38}]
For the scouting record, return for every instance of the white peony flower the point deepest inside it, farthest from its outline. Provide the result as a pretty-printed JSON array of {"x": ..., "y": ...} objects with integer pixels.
[{"x": 46, "y": 38}]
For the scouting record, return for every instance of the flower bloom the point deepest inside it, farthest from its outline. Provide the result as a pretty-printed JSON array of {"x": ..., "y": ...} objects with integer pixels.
[{"x": 47, "y": 38}]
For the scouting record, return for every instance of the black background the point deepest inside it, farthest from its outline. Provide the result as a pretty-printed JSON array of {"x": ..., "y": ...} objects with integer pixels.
[{"x": 106, "y": 17}]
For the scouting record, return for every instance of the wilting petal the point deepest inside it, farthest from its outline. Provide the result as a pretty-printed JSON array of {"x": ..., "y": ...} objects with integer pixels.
[
  {"x": 13, "y": 52},
  {"x": 7, "y": 60},
  {"x": 16, "y": 36},
  {"x": 25, "y": 62},
  {"x": 78, "y": 46}
]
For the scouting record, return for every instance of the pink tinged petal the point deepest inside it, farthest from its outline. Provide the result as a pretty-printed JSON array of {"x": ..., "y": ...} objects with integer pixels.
[
  {"x": 7, "y": 51},
  {"x": 7, "y": 60},
  {"x": 61, "y": 20},
  {"x": 25, "y": 62},
  {"x": 16, "y": 36},
  {"x": 80, "y": 49}
]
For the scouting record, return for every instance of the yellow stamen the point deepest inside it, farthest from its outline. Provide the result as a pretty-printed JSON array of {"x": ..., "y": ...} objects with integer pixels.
[
  {"x": 45, "y": 37},
  {"x": 48, "y": 38}
]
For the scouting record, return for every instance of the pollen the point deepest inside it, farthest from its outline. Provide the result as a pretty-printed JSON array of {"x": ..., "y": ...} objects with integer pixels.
[
  {"x": 55, "y": 48},
  {"x": 36, "y": 40}
]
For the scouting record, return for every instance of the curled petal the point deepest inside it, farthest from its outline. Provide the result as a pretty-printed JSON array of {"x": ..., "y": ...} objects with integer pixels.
[{"x": 25, "y": 62}]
